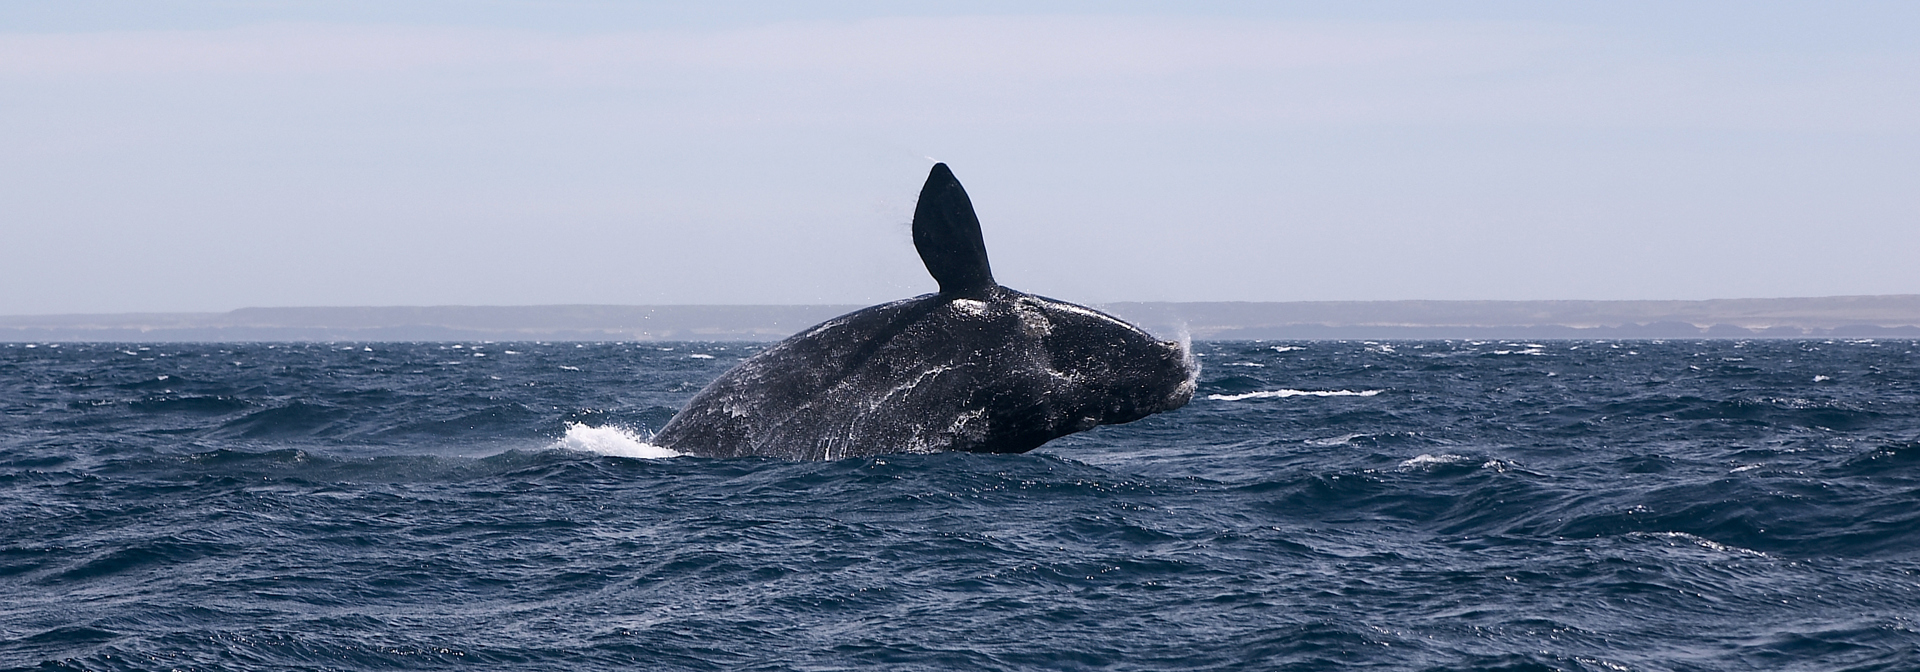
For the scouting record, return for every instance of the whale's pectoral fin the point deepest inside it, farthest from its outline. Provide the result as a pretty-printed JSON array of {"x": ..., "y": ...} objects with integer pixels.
[{"x": 947, "y": 233}]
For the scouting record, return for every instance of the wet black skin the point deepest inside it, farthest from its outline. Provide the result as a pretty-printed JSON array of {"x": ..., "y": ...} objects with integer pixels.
[{"x": 976, "y": 367}]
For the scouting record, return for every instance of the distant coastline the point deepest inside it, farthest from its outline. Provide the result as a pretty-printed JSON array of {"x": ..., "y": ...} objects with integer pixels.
[{"x": 1883, "y": 316}]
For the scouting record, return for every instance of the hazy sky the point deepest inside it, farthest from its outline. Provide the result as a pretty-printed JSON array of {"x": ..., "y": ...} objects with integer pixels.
[{"x": 187, "y": 156}]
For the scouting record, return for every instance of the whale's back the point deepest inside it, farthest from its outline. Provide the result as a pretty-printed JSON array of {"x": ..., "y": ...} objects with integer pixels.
[{"x": 1002, "y": 375}]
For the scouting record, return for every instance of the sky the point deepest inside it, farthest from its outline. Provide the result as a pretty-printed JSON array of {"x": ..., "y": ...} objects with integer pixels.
[{"x": 164, "y": 156}]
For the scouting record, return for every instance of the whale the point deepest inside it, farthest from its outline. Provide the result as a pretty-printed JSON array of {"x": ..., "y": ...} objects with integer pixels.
[{"x": 974, "y": 367}]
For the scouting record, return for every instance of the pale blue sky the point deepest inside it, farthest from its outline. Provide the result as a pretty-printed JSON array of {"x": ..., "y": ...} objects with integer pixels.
[{"x": 213, "y": 155}]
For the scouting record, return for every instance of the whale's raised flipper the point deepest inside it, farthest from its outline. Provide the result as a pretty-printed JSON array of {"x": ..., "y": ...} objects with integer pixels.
[{"x": 947, "y": 233}]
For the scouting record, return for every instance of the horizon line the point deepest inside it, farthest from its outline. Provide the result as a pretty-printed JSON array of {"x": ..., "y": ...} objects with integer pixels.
[{"x": 837, "y": 304}]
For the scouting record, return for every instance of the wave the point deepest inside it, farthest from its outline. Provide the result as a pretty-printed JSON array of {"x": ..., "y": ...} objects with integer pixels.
[
  {"x": 612, "y": 441},
  {"x": 1272, "y": 394},
  {"x": 1428, "y": 460}
]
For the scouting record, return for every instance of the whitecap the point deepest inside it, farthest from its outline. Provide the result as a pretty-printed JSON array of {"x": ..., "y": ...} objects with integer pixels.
[
  {"x": 1702, "y": 542},
  {"x": 1271, "y": 394},
  {"x": 1425, "y": 460},
  {"x": 609, "y": 441},
  {"x": 699, "y": 356}
]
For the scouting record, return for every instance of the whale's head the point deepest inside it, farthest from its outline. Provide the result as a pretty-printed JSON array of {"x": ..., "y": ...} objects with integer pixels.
[
  {"x": 1059, "y": 368},
  {"x": 1107, "y": 371}
]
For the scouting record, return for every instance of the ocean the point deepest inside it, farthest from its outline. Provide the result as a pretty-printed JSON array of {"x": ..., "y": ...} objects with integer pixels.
[{"x": 1409, "y": 505}]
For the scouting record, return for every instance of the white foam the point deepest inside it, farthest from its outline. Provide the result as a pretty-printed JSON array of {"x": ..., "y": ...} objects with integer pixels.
[
  {"x": 699, "y": 356},
  {"x": 1428, "y": 460},
  {"x": 1272, "y": 394},
  {"x": 609, "y": 441},
  {"x": 1287, "y": 348},
  {"x": 1708, "y": 544}
]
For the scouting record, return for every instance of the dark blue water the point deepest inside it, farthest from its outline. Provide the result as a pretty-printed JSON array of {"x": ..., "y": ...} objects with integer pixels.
[{"x": 1437, "y": 505}]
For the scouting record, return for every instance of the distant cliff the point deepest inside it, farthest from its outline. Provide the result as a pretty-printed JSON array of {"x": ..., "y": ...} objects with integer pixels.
[
  {"x": 432, "y": 323},
  {"x": 1892, "y": 316},
  {"x": 1889, "y": 316}
]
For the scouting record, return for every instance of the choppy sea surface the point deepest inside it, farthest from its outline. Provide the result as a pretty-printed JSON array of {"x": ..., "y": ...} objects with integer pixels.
[{"x": 1682, "y": 505}]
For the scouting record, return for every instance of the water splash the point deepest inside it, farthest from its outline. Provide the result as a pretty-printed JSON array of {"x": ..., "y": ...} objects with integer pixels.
[{"x": 613, "y": 441}]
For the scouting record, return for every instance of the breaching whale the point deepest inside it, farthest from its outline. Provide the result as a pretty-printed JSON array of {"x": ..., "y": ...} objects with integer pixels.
[{"x": 975, "y": 367}]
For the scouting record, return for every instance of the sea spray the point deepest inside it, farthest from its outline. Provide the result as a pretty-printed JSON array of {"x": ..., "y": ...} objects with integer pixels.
[{"x": 614, "y": 441}]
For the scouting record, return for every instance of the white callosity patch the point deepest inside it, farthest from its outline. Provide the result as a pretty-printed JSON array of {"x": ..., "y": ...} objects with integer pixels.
[
  {"x": 734, "y": 408},
  {"x": 969, "y": 307},
  {"x": 1065, "y": 307},
  {"x": 1033, "y": 318}
]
